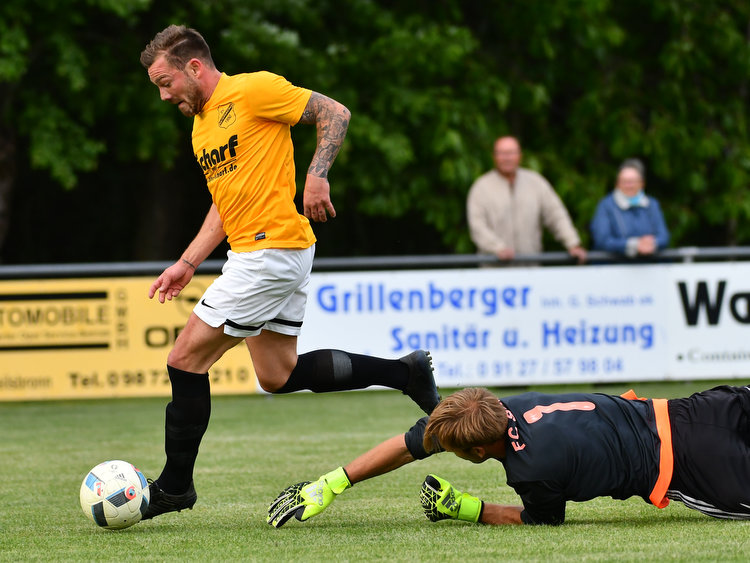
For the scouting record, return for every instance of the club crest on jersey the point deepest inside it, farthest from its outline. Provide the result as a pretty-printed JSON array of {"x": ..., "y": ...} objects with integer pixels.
[{"x": 226, "y": 115}]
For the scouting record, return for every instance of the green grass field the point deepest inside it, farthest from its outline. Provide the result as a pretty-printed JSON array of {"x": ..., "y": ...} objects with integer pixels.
[{"x": 256, "y": 445}]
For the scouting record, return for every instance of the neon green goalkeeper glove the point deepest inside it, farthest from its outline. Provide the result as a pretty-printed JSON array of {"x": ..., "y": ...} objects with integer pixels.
[
  {"x": 305, "y": 500},
  {"x": 440, "y": 501}
]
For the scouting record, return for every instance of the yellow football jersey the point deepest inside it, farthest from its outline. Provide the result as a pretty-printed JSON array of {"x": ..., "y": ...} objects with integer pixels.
[{"x": 242, "y": 141}]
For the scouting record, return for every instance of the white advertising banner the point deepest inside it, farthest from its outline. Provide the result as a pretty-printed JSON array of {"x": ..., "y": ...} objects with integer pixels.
[
  {"x": 519, "y": 326},
  {"x": 102, "y": 337},
  {"x": 709, "y": 321}
]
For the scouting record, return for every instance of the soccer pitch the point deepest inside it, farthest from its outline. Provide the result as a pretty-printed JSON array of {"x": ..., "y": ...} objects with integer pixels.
[{"x": 256, "y": 445}]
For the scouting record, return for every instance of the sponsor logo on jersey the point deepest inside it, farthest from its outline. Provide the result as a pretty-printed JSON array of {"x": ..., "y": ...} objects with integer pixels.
[{"x": 220, "y": 160}]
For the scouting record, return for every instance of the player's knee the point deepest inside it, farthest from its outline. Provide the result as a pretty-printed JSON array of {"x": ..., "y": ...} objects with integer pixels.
[
  {"x": 273, "y": 372},
  {"x": 269, "y": 387},
  {"x": 273, "y": 384},
  {"x": 177, "y": 358},
  {"x": 186, "y": 360}
]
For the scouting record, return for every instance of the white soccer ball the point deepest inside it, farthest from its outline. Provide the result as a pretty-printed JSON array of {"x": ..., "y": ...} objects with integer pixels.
[{"x": 114, "y": 494}]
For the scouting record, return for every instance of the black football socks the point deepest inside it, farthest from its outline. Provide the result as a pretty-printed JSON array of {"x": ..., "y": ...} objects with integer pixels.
[
  {"x": 187, "y": 418},
  {"x": 323, "y": 371}
]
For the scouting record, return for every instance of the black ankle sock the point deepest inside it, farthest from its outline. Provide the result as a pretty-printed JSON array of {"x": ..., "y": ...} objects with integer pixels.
[
  {"x": 322, "y": 371},
  {"x": 187, "y": 418}
]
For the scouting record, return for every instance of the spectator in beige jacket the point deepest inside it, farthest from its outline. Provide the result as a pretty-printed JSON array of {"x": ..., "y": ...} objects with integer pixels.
[{"x": 507, "y": 206}]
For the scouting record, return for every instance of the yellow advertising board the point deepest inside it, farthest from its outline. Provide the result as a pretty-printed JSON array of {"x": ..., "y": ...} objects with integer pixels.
[{"x": 99, "y": 337}]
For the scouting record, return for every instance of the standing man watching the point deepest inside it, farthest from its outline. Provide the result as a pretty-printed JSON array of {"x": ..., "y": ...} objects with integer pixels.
[
  {"x": 242, "y": 141},
  {"x": 507, "y": 206}
]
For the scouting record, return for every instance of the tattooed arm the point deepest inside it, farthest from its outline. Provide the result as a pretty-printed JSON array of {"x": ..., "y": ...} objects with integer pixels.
[{"x": 332, "y": 119}]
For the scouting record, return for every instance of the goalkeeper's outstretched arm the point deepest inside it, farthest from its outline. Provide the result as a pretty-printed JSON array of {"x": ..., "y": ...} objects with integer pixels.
[
  {"x": 498, "y": 514},
  {"x": 384, "y": 457},
  {"x": 307, "y": 499}
]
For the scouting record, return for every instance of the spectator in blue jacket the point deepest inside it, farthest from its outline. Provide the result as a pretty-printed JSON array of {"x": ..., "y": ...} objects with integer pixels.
[{"x": 627, "y": 221}]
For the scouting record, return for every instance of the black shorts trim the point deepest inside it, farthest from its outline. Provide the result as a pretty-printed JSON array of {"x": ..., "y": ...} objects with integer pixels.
[
  {"x": 284, "y": 322},
  {"x": 238, "y": 326}
]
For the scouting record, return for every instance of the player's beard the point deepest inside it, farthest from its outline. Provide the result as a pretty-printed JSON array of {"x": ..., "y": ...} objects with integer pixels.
[{"x": 191, "y": 102}]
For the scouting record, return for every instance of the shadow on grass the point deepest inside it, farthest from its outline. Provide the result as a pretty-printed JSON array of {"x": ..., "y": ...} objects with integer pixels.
[{"x": 635, "y": 521}]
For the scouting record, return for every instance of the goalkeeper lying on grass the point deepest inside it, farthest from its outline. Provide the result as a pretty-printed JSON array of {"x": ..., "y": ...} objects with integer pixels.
[{"x": 556, "y": 448}]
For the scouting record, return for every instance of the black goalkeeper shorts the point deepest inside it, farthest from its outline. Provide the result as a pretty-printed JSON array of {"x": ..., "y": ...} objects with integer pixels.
[{"x": 711, "y": 445}]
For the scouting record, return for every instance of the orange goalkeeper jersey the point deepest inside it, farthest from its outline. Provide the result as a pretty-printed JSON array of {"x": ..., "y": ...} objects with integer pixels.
[{"x": 243, "y": 144}]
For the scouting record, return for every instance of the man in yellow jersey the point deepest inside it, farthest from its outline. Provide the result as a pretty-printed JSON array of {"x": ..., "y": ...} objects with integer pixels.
[{"x": 242, "y": 141}]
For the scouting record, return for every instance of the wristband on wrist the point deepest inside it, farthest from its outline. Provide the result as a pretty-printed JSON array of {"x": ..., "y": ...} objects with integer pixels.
[
  {"x": 337, "y": 480},
  {"x": 189, "y": 263},
  {"x": 471, "y": 508}
]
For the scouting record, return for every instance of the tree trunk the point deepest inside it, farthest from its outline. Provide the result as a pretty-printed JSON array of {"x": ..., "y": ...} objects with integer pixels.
[{"x": 7, "y": 179}]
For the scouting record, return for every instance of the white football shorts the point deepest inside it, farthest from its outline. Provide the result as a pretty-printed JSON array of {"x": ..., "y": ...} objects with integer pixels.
[{"x": 262, "y": 289}]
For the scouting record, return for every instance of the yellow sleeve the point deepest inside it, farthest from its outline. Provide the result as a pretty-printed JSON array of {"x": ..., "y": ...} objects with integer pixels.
[{"x": 274, "y": 98}]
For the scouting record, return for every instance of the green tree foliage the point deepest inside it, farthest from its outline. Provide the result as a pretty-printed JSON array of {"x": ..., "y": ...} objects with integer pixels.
[{"x": 102, "y": 169}]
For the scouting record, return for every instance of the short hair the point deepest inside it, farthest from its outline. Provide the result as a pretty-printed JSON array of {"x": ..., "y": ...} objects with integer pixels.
[
  {"x": 516, "y": 139},
  {"x": 634, "y": 163},
  {"x": 470, "y": 417},
  {"x": 178, "y": 44}
]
